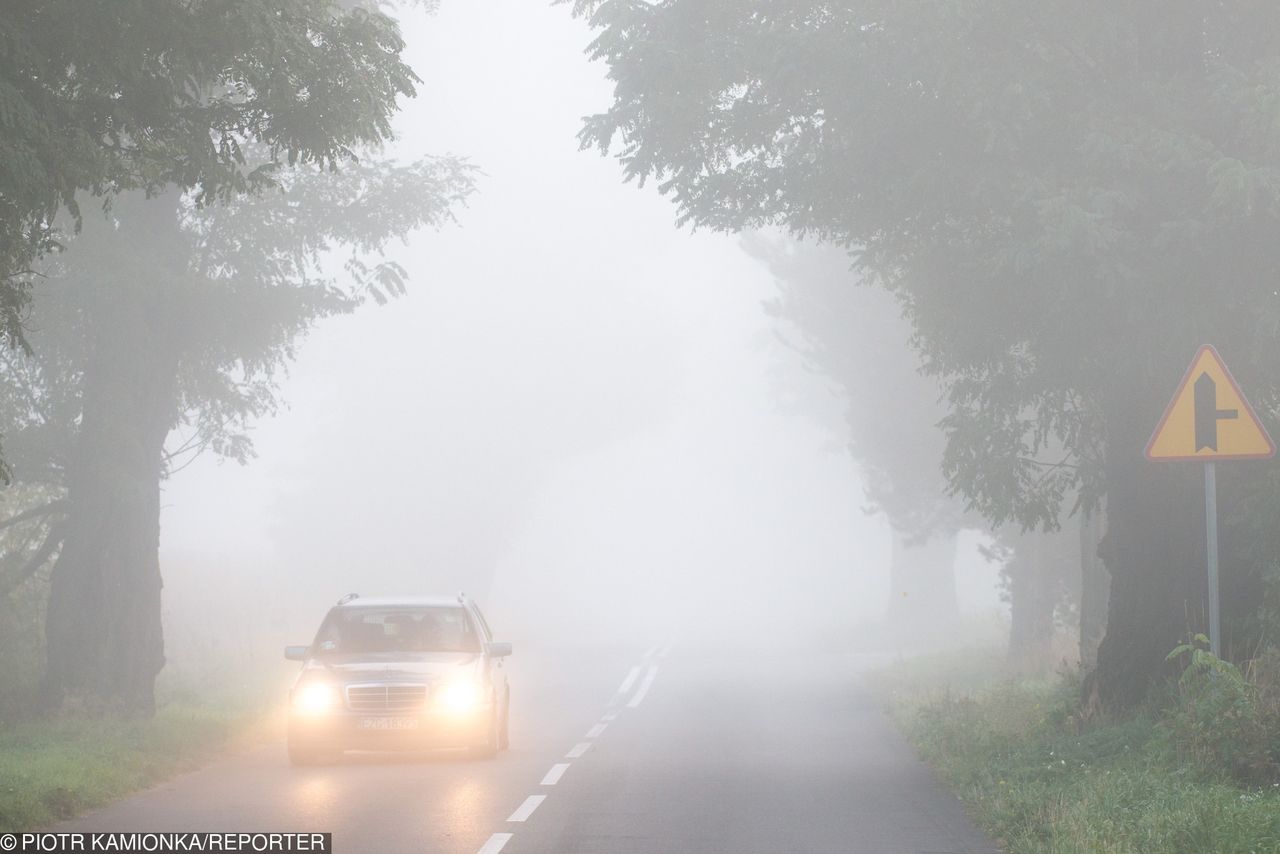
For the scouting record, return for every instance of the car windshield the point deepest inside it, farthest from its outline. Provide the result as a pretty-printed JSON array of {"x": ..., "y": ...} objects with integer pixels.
[{"x": 373, "y": 630}]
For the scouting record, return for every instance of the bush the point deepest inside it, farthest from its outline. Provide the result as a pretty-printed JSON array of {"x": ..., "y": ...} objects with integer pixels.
[
  {"x": 1036, "y": 777},
  {"x": 1219, "y": 724}
]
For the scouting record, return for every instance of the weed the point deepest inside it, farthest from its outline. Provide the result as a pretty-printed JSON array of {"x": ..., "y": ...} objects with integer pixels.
[{"x": 1034, "y": 777}]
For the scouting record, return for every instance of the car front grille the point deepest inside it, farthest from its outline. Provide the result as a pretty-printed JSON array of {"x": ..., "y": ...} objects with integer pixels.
[{"x": 386, "y": 697}]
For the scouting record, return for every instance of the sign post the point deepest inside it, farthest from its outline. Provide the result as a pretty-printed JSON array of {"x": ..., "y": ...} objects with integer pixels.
[
  {"x": 1211, "y": 541},
  {"x": 1208, "y": 420}
]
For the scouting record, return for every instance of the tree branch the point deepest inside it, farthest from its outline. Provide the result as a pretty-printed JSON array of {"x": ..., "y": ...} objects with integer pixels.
[
  {"x": 40, "y": 558},
  {"x": 55, "y": 506},
  {"x": 1061, "y": 464}
]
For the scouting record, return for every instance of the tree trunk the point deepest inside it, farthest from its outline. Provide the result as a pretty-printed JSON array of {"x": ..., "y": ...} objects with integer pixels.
[
  {"x": 1154, "y": 549},
  {"x": 1095, "y": 588},
  {"x": 1033, "y": 600},
  {"x": 103, "y": 633},
  {"x": 923, "y": 609}
]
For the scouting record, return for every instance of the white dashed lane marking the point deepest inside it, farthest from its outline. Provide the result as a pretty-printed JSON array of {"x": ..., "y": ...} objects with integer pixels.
[
  {"x": 630, "y": 680},
  {"x": 495, "y": 843},
  {"x": 649, "y": 676},
  {"x": 526, "y": 809},
  {"x": 553, "y": 776},
  {"x": 498, "y": 841}
]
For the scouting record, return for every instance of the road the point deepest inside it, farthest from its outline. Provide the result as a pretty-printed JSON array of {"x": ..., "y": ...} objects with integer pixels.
[{"x": 659, "y": 751}]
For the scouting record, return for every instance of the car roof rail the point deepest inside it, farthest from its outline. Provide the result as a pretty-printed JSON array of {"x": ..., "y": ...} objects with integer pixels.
[{"x": 350, "y": 596}]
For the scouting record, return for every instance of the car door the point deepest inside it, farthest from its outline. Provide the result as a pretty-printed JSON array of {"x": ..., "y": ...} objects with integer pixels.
[{"x": 495, "y": 667}]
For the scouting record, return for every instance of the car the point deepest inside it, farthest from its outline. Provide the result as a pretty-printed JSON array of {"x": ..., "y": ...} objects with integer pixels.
[{"x": 399, "y": 674}]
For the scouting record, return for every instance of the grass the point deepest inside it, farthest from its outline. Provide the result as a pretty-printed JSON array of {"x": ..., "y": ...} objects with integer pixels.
[
  {"x": 1034, "y": 777},
  {"x": 55, "y": 768}
]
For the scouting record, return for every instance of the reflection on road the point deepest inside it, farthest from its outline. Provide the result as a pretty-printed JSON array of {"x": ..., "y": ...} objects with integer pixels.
[{"x": 614, "y": 751}]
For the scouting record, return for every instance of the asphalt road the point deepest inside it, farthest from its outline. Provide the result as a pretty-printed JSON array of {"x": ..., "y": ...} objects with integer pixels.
[{"x": 662, "y": 751}]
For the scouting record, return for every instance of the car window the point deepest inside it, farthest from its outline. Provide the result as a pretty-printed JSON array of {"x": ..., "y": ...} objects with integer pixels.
[
  {"x": 374, "y": 630},
  {"x": 484, "y": 624}
]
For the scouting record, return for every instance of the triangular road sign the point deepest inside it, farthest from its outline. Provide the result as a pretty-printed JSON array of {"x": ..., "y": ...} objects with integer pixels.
[{"x": 1209, "y": 418}]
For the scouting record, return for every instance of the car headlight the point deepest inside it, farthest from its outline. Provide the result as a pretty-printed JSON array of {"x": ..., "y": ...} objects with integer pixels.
[
  {"x": 315, "y": 698},
  {"x": 458, "y": 697}
]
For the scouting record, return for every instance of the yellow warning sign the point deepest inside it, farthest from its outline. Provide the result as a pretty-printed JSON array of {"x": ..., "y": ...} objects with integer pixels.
[{"x": 1209, "y": 418}]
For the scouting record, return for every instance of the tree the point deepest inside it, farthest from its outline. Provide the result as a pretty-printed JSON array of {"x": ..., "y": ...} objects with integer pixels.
[
  {"x": 1038, "y": 575},
  {"x": 1095, "y": 588},
  {"x": 171, "y": 317},
  {"x": 99, "y": 98},
  {"x": 1068, "y": 199},
  {"x": 857, "y": 337}
]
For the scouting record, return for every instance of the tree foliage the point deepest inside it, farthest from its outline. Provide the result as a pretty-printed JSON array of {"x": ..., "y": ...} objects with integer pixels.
[
  {"x": 1051, "y": 190},
  {"x": 260, "y": 271},
  {"x": 212, "y": 300},
  {"x": 98, "y": 98},
  {"x": 222, "y": 139}
]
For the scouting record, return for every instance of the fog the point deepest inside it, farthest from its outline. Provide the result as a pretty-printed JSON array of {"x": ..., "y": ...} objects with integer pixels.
[
  {"x": 639, "y": 426},
  {"x": 580, "y": 413},
  {"x": 669, "y": 426}
]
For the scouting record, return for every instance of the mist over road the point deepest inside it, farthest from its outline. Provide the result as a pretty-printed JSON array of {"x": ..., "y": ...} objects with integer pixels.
[{"x": 672, "y": 748}]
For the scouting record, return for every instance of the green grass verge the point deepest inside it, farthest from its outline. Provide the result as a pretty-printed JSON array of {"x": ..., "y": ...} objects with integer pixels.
[
  {"x": 1033, "y": 777},
  {"x": 54, "y": 769}
]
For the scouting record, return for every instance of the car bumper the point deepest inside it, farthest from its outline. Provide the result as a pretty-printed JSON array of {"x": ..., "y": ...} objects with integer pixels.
[{"x": 345, "y": 730}]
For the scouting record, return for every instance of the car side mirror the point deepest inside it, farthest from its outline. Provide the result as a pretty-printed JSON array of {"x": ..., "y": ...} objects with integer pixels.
[
  {"x": 296, "y": 653},
  {"x": 498, "y": 650}
]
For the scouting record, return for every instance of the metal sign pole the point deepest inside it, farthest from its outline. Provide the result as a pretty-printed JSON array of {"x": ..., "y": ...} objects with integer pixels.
[{"x": 1211, "y": 541}]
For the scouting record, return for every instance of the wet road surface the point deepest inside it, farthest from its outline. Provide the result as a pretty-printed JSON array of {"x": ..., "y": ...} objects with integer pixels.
[{"x": 664, "y": 750}]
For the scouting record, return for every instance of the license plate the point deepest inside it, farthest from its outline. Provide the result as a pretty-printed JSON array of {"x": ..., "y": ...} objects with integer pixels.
[{"x": 388, "y": 723}]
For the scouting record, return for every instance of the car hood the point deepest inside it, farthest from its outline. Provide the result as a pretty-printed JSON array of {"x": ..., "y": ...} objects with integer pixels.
[{"x": 393, "y": 667}]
